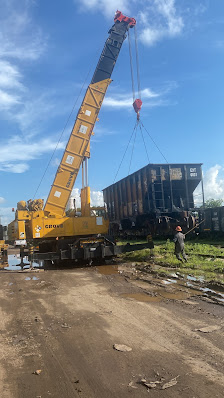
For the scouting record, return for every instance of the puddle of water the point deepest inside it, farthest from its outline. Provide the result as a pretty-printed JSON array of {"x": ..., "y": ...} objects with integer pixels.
[
  {"x": 169, "y": 281},
  {"x": 14, "y": 263},
  {"x": 34, "y": 278},
  {"x": 193, "y": 288},
  {"x": 174, "y": 295},
  {"x": 174, "y": 275},
  {"x": 195, "y": 279},
  {"x": 142, "y": 297},
  {"x": 107, "y": 269}
]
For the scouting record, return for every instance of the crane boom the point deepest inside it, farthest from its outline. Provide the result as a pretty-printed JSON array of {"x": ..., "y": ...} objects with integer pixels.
[{"x": 78, "y": 145}]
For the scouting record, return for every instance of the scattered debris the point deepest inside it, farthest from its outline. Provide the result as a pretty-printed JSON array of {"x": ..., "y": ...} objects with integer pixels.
[
  {"x": 190, "y": 302},
  {"x": 131, "y": 385},
  {"x": 65, "y": 325},
  {"x": 36, "y": 319},
  {"x": 170, "y": 383},
  {"x": 154, "y": 384},
  {"x": 208, "y": 329},
  {"x": 37, "y": 372},
  {"x": 122, "y": 347},
  {"x": 150, "y": 384}
]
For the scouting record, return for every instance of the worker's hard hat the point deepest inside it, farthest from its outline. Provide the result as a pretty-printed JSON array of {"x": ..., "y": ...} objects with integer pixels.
[{"x": 178, "y": 228}]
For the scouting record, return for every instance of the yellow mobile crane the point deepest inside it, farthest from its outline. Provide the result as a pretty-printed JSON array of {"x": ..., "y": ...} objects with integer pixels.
[{"x": 60, "y": 237}]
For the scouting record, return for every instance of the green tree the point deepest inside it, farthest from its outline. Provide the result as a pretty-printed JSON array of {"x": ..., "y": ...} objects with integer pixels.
[{"x": 213, "y": 203}]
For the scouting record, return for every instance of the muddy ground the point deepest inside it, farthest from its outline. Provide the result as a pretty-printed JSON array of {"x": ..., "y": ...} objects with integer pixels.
[{"x": 65, "y": 322}]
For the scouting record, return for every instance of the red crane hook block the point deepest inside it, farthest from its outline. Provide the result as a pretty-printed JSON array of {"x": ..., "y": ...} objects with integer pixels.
[{"x": 137, "y": 104}]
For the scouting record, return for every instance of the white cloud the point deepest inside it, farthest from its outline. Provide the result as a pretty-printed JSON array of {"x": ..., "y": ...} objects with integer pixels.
[
  {"x": 161, "y": 20},
  {"x": 15, "y": 153},
  {"x": 9, "y": 75},
  {"x": 16, "y": 168},
  {"x": 19, "y": 37},
  {"x": 96, "y": 198},
  {"x": 213, "y": 182},
  {"x": 107, "y": 7},
  {"x": 33, "y": 113},
  {"x": 2, "y": 200},
  {"x": 10, "y": 85},
  {"x": 8, "y": 100},
  {"x": 150, "y": 98},
  {"x": 20, "y": 40},
  {"x": 6, "y": 215}
]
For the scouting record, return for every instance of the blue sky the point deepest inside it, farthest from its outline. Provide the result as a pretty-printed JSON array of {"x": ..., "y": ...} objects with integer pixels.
[{"x": 47, "y": 50}]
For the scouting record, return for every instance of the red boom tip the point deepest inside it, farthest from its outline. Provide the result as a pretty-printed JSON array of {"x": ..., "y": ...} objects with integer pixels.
[{"x": 122, "y": 18}]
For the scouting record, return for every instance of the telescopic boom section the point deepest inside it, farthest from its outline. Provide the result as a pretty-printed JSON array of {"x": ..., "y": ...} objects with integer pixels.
[{"x": 78, "y": 145}]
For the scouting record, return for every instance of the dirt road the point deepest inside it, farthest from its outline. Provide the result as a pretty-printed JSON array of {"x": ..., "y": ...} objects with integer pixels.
[{"x": 65, "y": 323}]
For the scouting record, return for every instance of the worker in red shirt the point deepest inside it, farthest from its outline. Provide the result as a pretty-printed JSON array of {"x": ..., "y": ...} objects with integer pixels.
[{"x": 179, "y": 238}]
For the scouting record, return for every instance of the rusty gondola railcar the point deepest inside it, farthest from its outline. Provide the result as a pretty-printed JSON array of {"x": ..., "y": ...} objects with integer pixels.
[
  {"x": 212, "y": 221},
  {"x": 154, "y": 199}
]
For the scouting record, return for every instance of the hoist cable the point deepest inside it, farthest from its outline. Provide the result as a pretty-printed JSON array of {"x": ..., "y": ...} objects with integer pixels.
[
  {"x": 144, "y": 143},
  {"x": 133, "y": 148},
  {"x": 154, "y": 142},
  {"x": 131, "y": 66},
  {"x": 125, "y": 152},
  {"x": 137, "y": 63}
]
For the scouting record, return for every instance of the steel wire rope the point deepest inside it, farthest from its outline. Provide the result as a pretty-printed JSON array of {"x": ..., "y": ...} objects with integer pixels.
[
  {"x": 137, "y": 63},
  {"x": 66, "y": 123},
  {"x": 133, "y": 148},
  {"x": 154, "y": 142},
  {"x": 144, "y": 143},
  {"x": 131, "y": 66},
  {"x": 125, "y": 152}
]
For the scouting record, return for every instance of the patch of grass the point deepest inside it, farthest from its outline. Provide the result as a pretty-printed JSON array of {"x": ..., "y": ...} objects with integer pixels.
[{"x": 198, "y": 263}]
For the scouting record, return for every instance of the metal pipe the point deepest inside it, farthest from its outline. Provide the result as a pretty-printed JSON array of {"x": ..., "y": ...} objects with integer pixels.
[
  {"x": 171, "y": 188},
  {"x": 202, "y": 189},
  {"x": 86, "y": 162},
  {"x": 82, "y": 175},
  {"x": 186, "y": 188}
]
